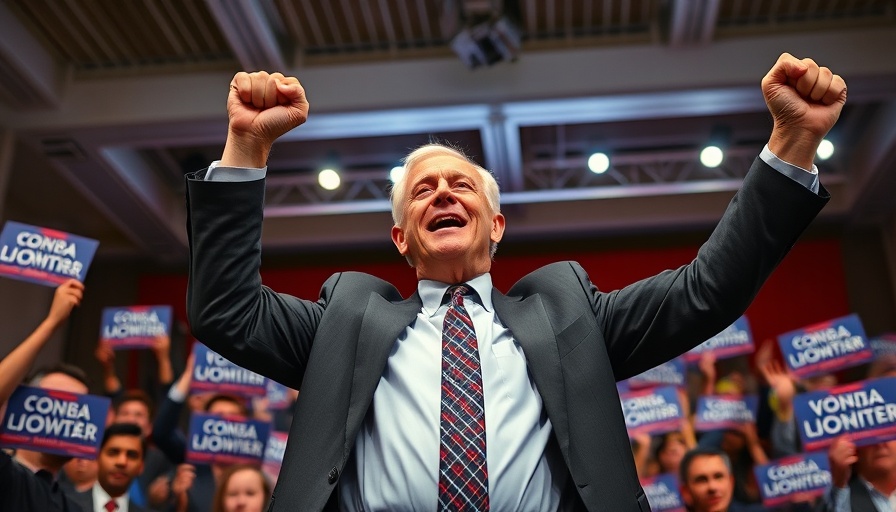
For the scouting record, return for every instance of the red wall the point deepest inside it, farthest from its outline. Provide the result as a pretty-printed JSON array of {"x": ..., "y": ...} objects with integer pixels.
[{"x": 808, "y": 287}]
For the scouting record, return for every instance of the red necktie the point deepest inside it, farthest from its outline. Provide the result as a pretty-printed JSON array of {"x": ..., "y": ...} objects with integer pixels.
[
  {"x": 463, "y": 474},
  {"x": 111, "y": 506}
]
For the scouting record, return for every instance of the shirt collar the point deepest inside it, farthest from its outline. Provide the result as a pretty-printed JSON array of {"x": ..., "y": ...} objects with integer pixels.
[
  {"x": 432, "y": 292},
  {"x": 101, "y": 497}
]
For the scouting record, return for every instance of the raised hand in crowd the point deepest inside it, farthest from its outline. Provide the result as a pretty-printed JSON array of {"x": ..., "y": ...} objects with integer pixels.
[
  {"x": 779, "y": 380},
  {"x": 183, "y": 479},
  {"x": 16, "y": 365},
  {"x": 707, "y": 367},
  {"x": 842, "y": 454}
]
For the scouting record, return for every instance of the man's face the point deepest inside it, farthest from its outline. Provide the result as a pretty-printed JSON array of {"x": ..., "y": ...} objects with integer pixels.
[
  {"x": 120, "y": 461},
  {"x": 134, "y": 411},
  {"x": 447, "y": 219},
  {"x": 225, "y": 408},
  {"x": 709, "y": 485},
  {"x": 877, "y": 460}
]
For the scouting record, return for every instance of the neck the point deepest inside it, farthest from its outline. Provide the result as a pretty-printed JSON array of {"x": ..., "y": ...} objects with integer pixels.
[
  {"x": 37, "y": 461},
  {"x": 885, "y": 482},
  {"x": 450, "y": 275}
]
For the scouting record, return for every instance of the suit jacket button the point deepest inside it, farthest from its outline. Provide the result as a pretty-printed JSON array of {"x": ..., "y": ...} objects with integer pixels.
[{"x": 333, "y": 475}]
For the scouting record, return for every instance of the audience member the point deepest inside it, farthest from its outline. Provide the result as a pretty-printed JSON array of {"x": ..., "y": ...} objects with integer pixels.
[
  {"x": 192, "y": 487},
  {"x": 863, "y": 478},
  {"x": 707, "y": 483},
  {"x": 119, "y": 463},
  {"x": 241, "y": 488},
  {"x": 27, "y": 480}
]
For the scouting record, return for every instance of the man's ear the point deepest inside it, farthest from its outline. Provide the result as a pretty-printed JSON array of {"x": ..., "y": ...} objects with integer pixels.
[
  {"x": 399, "y": 240},
  {"x": 497, "y": 228}
]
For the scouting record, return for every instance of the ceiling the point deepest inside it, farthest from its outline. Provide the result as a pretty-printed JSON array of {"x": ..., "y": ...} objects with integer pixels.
[{"x": 105, "y": 104}]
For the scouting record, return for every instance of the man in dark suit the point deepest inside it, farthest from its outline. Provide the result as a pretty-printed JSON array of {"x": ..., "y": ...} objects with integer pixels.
[
  {"x": 119, "y": 463},
  {"x": 863, "y": 478},
  {"x": 516, "y": 408}
]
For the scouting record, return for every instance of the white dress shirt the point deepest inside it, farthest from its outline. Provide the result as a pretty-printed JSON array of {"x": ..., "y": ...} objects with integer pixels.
[
  {"x": 396, "y": 457},
  {"x": 101, "y": 497}
]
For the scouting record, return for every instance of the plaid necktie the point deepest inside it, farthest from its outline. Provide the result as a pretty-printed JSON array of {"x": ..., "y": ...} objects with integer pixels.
[{"x": 463, "y": 475}]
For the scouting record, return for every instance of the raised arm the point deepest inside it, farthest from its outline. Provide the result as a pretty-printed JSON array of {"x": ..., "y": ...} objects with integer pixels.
[
  {"x": 658, "y": 318},
  {"x": 261, "y": 108},
  {"x": 15, "y": 366}
]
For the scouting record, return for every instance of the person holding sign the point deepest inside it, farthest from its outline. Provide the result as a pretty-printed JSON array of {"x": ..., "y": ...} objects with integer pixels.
[
  {"x": 27, "y": 480},
  {"x": 707, "y": 483},
  {"x": 537, "y": 368},
  {"x": 863, "y": 478}
]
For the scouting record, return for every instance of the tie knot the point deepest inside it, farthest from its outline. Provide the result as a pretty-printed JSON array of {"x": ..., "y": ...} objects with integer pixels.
[
  {"x": 111, "y": 505},
  {"x": 457, "y": 293}
]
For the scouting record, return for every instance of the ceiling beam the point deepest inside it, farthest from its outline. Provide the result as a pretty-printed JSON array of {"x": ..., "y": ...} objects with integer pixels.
[
  {"x": 249, "y": 33},
  {"x": 30, "y": 76}
]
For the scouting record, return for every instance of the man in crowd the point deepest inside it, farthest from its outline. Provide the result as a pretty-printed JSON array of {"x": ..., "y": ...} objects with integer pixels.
[
  {"x": 119, "y": 463},
  {"x": 707, "y": 482},
  {"x": 863, "y": 478},
  {"x": 27, "y": 480},
  {"x": 398, "y": 396}
]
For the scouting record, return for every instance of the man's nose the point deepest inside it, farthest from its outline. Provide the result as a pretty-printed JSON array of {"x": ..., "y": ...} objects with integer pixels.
[{"x": 444, "y": 194}]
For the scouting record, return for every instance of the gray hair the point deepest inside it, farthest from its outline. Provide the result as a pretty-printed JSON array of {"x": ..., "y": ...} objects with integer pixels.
[{"x": 398, "y": 193}]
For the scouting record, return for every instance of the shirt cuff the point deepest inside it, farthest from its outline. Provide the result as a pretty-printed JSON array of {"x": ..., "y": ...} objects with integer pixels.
[
  {"x": 217, "y": 172},
  {"x": 805, "y": 177}
]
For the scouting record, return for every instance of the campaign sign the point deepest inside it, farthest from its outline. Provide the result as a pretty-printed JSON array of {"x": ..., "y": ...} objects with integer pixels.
[
  {"x": 735, "y": 340},
  {"x": 51, "y": 421},
  {"x": 278, "y": 396},
  {"x": 217, "y": 439},
  {"x": 715, "y": 412},
  {"x": 883, "y": 346},
  {"x": 662, "y": 493},
  {"x": 826, "y": 347},
  {"x": 212, "y": 372},
  {"x": 801, "y": 477},
  {"x": 273, "y": 455},
  {"x": 671, "y": 373},
  {"x": 43, "y": 256},
  {"x": 135, "y": 326},
  {"x": 866, "y": 411},
  {"x": 652, "y": 411}
]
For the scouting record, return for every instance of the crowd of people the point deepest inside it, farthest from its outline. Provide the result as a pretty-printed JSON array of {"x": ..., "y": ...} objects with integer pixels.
[{"x": 386, "y": 422}]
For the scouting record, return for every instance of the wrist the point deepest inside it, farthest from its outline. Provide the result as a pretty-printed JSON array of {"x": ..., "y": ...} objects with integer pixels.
[
  {"x": 244, "y": 151},
  {"x": 794, "y": 146}
]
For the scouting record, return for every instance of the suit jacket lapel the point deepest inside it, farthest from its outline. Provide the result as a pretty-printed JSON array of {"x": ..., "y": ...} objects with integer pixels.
[
  {"x": 531, "y": 328},
  {"x": 382, "y": 324}
]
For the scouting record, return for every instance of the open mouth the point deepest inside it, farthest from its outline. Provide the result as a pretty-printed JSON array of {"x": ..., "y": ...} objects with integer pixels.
[{"x": 446, "y": 221}]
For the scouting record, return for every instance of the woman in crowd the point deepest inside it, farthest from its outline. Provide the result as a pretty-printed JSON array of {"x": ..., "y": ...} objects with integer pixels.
[{"x": 241, "y": 488}]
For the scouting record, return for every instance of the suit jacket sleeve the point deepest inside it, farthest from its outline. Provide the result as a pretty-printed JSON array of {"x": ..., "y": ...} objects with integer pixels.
[
  {"x": 227, "y": 306},
  {"x": 656, "y": 319}
]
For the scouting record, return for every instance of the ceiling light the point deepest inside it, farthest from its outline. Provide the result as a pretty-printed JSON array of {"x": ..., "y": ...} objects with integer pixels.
[
  {"x": 711, "y": 156},
  {"x": 396, "y": 173},
  {"x": 825, "y": 149},
  {"x": 598, "y": 163},
  {"x": 328, "y": 179}
]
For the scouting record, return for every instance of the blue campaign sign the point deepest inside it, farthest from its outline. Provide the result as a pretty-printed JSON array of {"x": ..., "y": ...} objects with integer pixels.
[
  {"x": 135, "y": 326},
  {"x": 652, "y": 411},
  {"x": 226, "y": 440},
  {"x": 43, "y": 256},
  {"x": 273, "y": 455},
  {"x": 883, "y": 346},
  {"x": 715, "y": 412},
  {"x": 735, "y": 340},
  {"x": 865, "y": 411},
  {"x": 800, "y": 477},
  {"x": 671, "y": 373},
  {"x": 53, "y": 421},
  {"x": 826, "y": 347},
  {"x": 662, "y": 493},
  {"x": 213, "y": 372}
]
